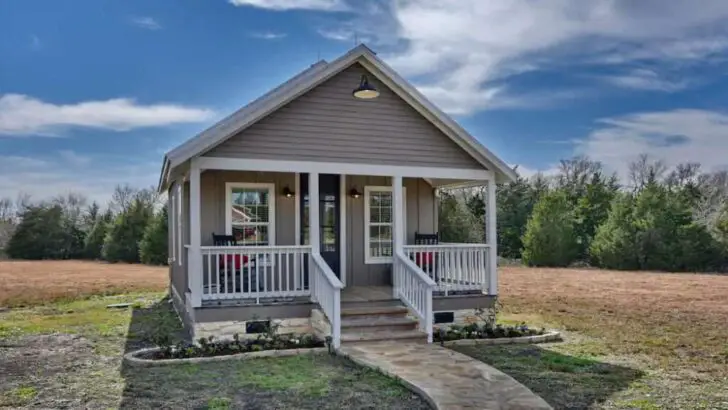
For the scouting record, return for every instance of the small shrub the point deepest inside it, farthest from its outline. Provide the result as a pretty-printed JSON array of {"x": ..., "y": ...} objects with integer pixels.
[
  {"x": 484, "y": 331},
  {"x": 209, "y": 347}
]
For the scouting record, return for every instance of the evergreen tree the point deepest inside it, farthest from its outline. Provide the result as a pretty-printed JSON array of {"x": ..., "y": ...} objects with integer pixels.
[
  {"x": 126, "y": 232},
  {"x": 550, "y": 238},
  {"x": 153, "y": 247},
  {"x": 95, "y": 238},
  {"x": 40, "y": 235}
]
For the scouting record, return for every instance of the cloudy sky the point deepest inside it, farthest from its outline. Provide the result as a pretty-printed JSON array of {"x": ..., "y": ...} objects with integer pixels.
[{"x": 93, "y": 95}]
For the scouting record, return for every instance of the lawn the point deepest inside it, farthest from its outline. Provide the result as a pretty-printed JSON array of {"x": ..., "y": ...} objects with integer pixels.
[
  {"x": 61, "y": 352},
  {"x": 634, "y": 340}
]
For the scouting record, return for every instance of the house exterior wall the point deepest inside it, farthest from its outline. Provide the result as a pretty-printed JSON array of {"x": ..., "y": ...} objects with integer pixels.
[
  {"x": 420, "y": 214},
  {"x": 177, "y": 271},
  {"x": 328, "y": 124}
]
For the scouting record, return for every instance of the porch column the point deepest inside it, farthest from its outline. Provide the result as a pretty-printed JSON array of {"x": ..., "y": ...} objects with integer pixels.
[
  {"x": 194, "y": 260},
  {"x": 490, "y": 228},
  {"x": 314, "y": 234},
  {"x": 398, "y": 237}
]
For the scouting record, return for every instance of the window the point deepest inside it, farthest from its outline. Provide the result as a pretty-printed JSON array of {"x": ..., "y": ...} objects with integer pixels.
[
  {"x": 378, "y": 224},
  {"x": 250, "y": 213}
]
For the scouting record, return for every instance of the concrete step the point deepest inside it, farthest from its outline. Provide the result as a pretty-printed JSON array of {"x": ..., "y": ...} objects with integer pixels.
[
  {"x": 377, "y": 324},
  {"x": 371, "y": 303},
  {"x": 365, "y": 337},
  {"x": 373, "y": 312}
]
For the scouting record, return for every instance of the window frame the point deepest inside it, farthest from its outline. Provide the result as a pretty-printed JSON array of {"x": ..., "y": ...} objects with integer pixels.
[
  {"x": 368, "y": 258},
  {"x": 178, "y": 210},
  {"x": 271, "y": 187}
]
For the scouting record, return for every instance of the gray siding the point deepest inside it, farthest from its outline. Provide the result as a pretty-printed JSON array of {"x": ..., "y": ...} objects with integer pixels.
[
  {"x": 327, "y": 124},
  {"x": 178, "y": 274},
  {"x": 213, "y": 202}
]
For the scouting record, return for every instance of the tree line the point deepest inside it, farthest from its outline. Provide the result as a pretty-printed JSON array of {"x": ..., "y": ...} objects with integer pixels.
[
  {"x": 660, "y": 218},
  {"x": 132, "y": 228}
]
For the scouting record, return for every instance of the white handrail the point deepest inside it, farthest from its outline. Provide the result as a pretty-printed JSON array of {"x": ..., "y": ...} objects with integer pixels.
[
  {"x": 326, "y": 291},
  {"x": 253, "y": 272},
  {"x": 414, "y": 288},
  {"x": 454, "y": 267}
]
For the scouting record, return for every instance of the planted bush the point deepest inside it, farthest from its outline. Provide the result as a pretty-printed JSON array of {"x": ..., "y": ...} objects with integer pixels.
[{"x": 485, "y": 331}]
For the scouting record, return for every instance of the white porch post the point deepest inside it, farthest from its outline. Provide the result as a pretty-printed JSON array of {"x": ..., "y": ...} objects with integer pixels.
[
  {"x": 194, "y": 262},
  {"x": 398, "y": 238},
  {"x": 314, "y": 233},
  {"x": 490, "y": 225}
]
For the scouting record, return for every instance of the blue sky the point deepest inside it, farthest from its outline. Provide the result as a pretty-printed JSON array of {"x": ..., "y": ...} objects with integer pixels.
[{"x": 93, "y": 95}]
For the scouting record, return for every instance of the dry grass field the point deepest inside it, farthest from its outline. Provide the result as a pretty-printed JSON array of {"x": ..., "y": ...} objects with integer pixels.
[{"x": 25, "y": 283}]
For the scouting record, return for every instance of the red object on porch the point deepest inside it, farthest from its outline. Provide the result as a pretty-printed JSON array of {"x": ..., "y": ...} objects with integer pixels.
[
  {"x": 233, "y": 261},
  {"x": 424, "y": 258}
]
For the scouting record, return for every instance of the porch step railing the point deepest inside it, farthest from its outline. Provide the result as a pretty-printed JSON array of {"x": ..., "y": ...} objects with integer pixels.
[
  {"x": 414, "y": 288},
  {"x": 453, "y": 267},
  {"x": 326, "y": 291},
  {"x": 254, "y": 272}
]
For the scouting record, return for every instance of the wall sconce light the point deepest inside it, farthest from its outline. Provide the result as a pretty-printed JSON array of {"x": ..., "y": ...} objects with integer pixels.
[
  {"x": 354, "y": 193},
  {"x": 288, "y": 193},
  {"x": 365, "y": 91}
]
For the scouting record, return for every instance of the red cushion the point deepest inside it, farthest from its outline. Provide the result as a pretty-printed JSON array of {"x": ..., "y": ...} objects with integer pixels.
[
  {"x": 424, "y": 258},
  {"x": 233, "y": 261}
]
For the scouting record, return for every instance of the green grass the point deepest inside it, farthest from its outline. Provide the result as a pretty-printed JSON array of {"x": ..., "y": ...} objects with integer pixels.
[{"x": 87, "y": 372}]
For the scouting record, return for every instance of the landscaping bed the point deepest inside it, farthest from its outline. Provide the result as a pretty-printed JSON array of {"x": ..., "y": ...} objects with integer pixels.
[
  {"x": 209, "y": 347},
  {"x": 485, "y": 331}
]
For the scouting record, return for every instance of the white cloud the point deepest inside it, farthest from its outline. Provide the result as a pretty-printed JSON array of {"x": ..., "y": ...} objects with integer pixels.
[
  {"x": 146, "y": 22},
  {"x": 677, "y": 136},
  {"x": 463, "y": 50},
  {"x": 95, "y": 177},
  {"x": 21, "y": 115},
  {"x": 339, "y": 34},
  {"x": 35, "y": 42},
  {"x": 644, "y": 79},
  {"x": 280, "y": 5},
  {"x": 268, "y": 35}
]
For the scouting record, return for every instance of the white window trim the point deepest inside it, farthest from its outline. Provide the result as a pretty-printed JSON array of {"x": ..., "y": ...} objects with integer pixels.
[
  {"x": 271, "y": 207},
  {"x": 368, "y": 259},
  {"x": 172, "y": 215},
  {"x": 178, "y": 209}
]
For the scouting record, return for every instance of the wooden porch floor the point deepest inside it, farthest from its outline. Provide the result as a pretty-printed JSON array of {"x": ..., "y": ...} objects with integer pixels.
[{"x": 366, "y": 293}]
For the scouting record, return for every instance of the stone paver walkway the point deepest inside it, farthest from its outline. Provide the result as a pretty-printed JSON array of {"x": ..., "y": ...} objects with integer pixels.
[{"x": 447, "y": 379}]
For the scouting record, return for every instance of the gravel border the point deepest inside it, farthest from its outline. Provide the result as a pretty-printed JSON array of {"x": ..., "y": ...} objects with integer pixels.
[
  {"x": 132, "y": 359},
  {"x": 552, "y": 336}
]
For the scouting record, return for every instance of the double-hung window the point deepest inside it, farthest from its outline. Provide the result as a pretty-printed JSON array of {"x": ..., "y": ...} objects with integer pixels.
[
  {"x": 378, "y": 223},
  {"x": 250, "y": 213}
]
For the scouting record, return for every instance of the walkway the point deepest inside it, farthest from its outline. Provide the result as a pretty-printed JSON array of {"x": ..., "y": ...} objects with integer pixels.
[{"x": 445, "y": 378}]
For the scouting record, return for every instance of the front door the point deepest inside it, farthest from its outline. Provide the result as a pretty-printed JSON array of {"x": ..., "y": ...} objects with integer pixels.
[{"x": 329, "y": 221}]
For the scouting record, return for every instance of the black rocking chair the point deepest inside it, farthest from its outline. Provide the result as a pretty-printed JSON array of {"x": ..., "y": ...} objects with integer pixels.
[{"x": 233, "y": 266}]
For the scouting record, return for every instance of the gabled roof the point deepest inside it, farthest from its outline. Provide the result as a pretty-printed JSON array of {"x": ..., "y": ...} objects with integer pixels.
[{"x": 310, "y": 78}]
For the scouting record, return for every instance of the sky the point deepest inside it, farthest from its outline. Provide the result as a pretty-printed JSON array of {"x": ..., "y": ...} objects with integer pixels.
[{"x": 93, "y": 93}]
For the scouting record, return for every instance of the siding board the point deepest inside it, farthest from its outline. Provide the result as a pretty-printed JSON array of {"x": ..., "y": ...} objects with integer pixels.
[{"x": 327, "y": 124}]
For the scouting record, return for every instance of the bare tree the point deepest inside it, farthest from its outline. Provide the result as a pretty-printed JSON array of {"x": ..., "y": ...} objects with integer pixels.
[
  {"x": 644, "y": 171},
  {"x": 72, "y": 204}
]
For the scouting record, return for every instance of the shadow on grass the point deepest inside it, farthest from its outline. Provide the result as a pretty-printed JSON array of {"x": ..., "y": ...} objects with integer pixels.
[{"x": 565, "y": 382}]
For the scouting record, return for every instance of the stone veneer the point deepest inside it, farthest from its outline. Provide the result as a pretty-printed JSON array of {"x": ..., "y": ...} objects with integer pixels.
[
  {"x": 463, "y": 317},
  {"x": 226, "y": 329}
]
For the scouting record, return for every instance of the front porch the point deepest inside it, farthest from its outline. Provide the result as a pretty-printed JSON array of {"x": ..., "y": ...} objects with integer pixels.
[{"x": 364, "y": 249}]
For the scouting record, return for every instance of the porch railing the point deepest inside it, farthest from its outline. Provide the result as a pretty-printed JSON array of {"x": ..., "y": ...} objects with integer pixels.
[
  {"x": 414, "y": 288},
  {"x": 254, "y": 272},
  {"x": 326, "y": 291},
  {"x": 453, "y": 267}
]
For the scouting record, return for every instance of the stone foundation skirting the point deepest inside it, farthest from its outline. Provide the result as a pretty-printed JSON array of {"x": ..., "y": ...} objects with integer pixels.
[{"x": 226, "y": 329}]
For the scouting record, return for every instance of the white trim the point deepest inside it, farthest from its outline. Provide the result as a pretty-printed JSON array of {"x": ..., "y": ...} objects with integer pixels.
[
  {"x": 492, "y": 238},
  {"x": 310, "y": 78},
  {"x": 178, "y": 209},
  {"x": 271, "y": 165},
  {"x": 297, "y": 208},
  {"x": 343, "y": 201},
  {"x": 172, "y": 212},
  {"x": 271, "y": 187},
  {"x": 314, "y": 236},
  {"x": 194, "y": 260},
  {"x": 368, "y": 260}
]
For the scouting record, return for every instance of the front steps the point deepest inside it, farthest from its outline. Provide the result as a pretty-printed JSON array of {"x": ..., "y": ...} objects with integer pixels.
[{"x": 377, "y": 321}]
